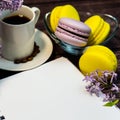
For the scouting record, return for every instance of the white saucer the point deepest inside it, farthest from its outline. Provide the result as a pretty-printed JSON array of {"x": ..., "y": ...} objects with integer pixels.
[{"x": 46, "y": 48}]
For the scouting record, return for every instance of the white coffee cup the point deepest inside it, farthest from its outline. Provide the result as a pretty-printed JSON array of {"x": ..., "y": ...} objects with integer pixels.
[{"x": 18, "y": 40}]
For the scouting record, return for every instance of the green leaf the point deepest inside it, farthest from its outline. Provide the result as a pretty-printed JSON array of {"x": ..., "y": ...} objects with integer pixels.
[{"x": 110, "y": 104}]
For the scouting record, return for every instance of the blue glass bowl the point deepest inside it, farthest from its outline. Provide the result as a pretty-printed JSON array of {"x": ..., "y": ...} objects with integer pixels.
[{"x": 74, "y": 50}]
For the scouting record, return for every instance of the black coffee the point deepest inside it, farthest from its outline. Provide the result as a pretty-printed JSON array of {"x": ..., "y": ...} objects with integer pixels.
[{"x": 16, "y": 20}]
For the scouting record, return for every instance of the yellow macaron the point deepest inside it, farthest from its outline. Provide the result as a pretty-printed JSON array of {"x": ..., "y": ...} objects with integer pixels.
[
  {"x": 97, "y": 57},
  {"x": 99, "y": 29},
  {"x": 58, "y": 12},
  {"x": 54, "y": 17}
]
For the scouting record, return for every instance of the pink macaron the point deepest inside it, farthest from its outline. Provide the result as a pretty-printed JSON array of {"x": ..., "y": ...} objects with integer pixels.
[{"x": 72, "y": 32}]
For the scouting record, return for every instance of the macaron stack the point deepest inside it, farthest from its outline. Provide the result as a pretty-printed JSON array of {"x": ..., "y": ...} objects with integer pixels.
[
  {"x": 59, "y": 12},
  {"x": 99, "y": 29},
  {"x": 65, "y": 21},
  {"x": 97, "y": 57}
]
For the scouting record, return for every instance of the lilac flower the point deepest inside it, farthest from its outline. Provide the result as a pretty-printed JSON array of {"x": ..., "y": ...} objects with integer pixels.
[
  {"x": 109, "y": 97},
  {"x": 94, "y": 89},
  {"x": 103, "y": 84},
  {"x": 11, "y": 5},
  {"x": 115, "y": 88}
]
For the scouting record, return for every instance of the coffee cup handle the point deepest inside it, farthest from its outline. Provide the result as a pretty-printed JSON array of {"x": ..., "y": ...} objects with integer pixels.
[{"x": 37, "y": 13}]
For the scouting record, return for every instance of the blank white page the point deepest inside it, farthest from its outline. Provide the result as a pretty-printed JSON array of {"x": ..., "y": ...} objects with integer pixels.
[{"x": 53, "y": 91}]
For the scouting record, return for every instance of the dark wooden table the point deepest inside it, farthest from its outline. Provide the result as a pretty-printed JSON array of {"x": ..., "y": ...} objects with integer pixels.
[{"x": 99, "y": 6}]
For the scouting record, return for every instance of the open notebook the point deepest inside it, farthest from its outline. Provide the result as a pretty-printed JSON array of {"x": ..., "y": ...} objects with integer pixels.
[{"x": 53, "y": 91}]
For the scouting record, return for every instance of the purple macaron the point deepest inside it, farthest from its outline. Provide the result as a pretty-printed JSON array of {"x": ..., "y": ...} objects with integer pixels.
[{"x": 72, "y": 32}]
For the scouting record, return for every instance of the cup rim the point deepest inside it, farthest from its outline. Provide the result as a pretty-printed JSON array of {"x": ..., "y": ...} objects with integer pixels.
[{"x": 12, "y": 14}]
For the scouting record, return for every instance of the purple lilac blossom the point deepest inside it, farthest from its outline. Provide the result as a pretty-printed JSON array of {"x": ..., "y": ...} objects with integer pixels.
[
  {"x": 11, "y": 5},
  {"x": 102, "y": 84}
]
